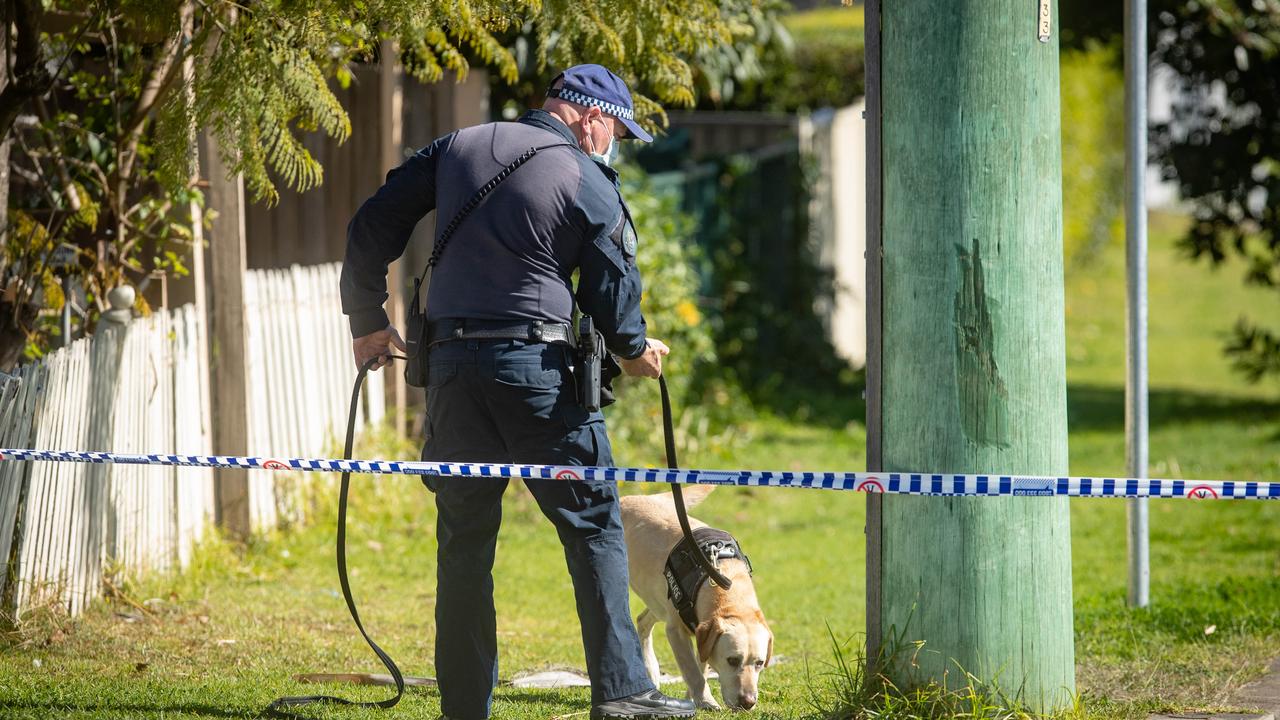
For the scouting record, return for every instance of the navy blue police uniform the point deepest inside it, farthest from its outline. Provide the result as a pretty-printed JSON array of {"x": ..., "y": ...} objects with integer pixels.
[{"x": 510, "y": 265}]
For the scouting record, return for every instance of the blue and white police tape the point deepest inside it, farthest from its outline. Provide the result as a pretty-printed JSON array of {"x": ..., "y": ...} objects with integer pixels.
[{"x": 931, "y": 484}]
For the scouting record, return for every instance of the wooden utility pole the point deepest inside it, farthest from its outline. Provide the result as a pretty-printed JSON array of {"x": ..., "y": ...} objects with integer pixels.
[
  {"x": 971, "y": 371},
  {"x": 196, "y": 214},
  {"x": 229, "y": 385},
  {"x": 391, "y": 154}
]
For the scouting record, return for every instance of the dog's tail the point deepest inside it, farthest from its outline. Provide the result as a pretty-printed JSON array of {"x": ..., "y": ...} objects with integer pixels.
[{"x": 694, "y": 494}]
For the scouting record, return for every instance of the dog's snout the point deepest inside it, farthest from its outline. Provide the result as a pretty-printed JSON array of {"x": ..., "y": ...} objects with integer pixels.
[{"x": 747, "y": 700}]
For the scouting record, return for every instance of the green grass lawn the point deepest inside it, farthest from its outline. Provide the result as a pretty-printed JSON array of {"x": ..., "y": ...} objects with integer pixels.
[{"x": 224, "y": 638}]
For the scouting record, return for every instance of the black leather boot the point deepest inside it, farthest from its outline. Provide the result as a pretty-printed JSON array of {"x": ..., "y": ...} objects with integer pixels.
[{"x": 650, "y": 704}]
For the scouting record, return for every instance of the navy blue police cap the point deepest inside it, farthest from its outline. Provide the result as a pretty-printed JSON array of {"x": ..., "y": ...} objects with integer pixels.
[{"x": 595, "y": 86}]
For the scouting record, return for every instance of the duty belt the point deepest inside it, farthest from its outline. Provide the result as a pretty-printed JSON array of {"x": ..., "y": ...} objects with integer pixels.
[
  {"x": 685, "y": 577},
  {"x": 553, "y": 333}
]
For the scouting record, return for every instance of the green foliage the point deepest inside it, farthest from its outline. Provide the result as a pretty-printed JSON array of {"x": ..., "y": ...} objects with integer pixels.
[
  {"x": 707, "y": 405},
  {"x": 1223, "y": 145},
  {"x": 1254, "y": 352},
  {"x": 819, "y": 63},
  {"x": 723, "y": 71},
  {"x": 1092, "y": 151},
  {"x": 813, "y": 24},
  {"x": 653, "y": 42},
  {"x": 667, "y": 52},
  {"x": 842, "y": 690},
  {"x": 109, "y": 167},
  {"x": 87, "y": 178},
  {"x": 766, "y": 282}
]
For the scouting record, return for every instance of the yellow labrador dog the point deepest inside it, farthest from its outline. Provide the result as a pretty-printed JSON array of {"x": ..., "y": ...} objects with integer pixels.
[{"x": 729, "y": 629}]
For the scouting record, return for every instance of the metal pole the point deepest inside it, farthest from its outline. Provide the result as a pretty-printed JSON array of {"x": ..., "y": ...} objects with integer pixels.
[
  {"x": 875, "y": 322},
  {"x": 66, "y": 310},
  {"x": 1136, "y": 411}
]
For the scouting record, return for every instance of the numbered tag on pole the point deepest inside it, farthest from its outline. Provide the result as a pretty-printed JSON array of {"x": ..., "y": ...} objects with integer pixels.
[{"x": 1043, "y": 18}]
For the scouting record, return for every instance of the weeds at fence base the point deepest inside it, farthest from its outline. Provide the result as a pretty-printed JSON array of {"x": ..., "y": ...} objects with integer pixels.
[
  {"x": 842, "y": 689},
  {"x": 42, "y": 623}
]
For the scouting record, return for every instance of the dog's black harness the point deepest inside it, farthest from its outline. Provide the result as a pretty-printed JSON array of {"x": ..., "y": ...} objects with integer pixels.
[{"x": 685, "y": 576}]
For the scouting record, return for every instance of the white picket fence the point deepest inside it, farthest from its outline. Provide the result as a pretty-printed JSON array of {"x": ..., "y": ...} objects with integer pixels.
[
  {"x": 300, "y": 371},
  {"x": 138, "y": 388},
  {"x": 130, "y": 389}
]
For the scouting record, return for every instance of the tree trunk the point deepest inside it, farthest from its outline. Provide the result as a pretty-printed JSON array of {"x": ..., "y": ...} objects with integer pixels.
[
  {"x": 973, "y": 348},
  {"x": 12, "y": 339}
]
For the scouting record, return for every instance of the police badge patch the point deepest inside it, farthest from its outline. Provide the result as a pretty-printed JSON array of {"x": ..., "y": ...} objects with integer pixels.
[{"x": 629, "y": 241}]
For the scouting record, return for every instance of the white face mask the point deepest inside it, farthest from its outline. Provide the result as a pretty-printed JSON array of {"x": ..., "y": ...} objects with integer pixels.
[{"x": 610, "y": 153}]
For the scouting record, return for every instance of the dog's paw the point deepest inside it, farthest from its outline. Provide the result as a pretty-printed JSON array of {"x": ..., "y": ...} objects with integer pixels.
[{"x": 708, "y": 705}]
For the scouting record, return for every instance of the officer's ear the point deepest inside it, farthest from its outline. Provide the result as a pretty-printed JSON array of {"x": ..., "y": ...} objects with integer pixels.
[{"x": 586, "y": 121}]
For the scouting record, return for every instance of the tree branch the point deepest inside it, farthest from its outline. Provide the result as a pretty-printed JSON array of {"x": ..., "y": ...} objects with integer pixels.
[
  {"x": 30, "y": 78},
  {"x": 162, "y": 78},
  {"x": 58, "y": 159}
]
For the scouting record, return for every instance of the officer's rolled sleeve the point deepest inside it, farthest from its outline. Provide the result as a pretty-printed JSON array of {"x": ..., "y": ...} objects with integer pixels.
[
  {"x": 378, "y": 234},
  {"x": 609, "y": 291}
]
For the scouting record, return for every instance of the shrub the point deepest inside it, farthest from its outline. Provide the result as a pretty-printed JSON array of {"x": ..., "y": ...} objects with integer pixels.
[
  {"x": 1092, "y": 92},
  {"x": 821, "y": 66},
  {"x": 705, "y": 399}
]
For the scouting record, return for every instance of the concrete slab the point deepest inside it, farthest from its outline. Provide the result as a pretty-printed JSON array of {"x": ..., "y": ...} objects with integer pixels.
[
  {"x": 1263, "y": 693},
  {"x": 565, "y": 677},
  {"x": 1211, "y": 716}
]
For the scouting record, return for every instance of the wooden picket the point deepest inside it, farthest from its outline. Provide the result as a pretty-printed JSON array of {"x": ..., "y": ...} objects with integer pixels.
[
  {"x": 299, "y": 375},
  {"x": 66, "y": 528},
  {"x": 62, "y": 524}
]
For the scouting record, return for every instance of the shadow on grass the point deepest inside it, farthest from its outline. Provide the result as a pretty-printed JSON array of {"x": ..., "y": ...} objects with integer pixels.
[
  {"x": 1099, "y": 407},
  {"x": 161, "y": 709},
  {"x": 833, "y": 403},
  {"x": 1089, "y": 407}
]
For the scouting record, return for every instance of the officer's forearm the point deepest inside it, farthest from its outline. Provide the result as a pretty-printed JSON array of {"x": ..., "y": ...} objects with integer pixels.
[
  {"x": 376, "y": 236},
  {"x": 625, "y": 339},
  {"x": 362, "y": 299},
  {"x": 366, "y": 322},
  {"x": 364, "y": 277}
]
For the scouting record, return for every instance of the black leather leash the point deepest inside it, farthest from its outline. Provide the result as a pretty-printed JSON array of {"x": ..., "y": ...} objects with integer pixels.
[
  {"x": 282, "y": 706},
  {"x": 669, "y": 435}
]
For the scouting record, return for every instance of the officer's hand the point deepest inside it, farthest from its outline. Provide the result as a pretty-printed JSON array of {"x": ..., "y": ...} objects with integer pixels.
[
  {"x": 649, "y": 364},
  {"x": 377, "y": 345}
]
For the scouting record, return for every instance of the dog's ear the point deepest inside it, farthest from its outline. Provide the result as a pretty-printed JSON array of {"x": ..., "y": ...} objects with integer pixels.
[
  {"x": 706, "y": 634},
  {"x": 768, "y": 657}
]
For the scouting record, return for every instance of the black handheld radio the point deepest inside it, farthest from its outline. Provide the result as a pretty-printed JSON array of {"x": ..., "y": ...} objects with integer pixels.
[{"x": 590, "y": 355}]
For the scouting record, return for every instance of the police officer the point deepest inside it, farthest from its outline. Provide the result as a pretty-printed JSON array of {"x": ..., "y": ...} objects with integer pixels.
[{"x": 499, "y": 308}]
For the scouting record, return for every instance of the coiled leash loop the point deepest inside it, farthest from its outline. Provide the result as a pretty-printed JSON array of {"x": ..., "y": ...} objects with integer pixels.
[{"x": 281, "y": 707}]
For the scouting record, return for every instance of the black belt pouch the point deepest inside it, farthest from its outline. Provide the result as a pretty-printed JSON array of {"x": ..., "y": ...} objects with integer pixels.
[{"x": 415, "y": 325}]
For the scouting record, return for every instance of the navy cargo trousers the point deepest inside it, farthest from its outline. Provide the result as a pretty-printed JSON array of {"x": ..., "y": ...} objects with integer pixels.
[{"x": 510, "y": 401}]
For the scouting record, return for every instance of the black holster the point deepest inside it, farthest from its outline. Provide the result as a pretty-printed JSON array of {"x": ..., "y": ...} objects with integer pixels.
[
  {"x": 594, "y": 368},
  {"x": 591, "y": 354}
]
